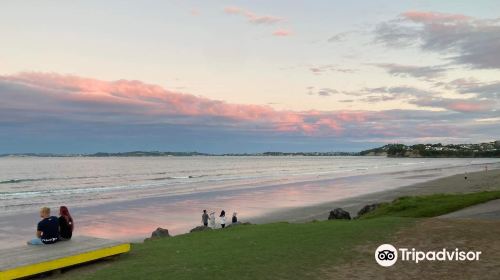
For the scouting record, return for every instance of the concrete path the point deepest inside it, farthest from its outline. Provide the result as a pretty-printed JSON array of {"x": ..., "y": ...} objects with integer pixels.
[{"x": 489, "y": 211}]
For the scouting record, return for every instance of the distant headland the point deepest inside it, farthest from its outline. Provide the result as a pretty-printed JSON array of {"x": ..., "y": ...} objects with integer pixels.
[{"x": 489, "y": 149}]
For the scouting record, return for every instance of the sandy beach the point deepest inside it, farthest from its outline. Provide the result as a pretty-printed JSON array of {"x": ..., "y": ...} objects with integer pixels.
[{"x": 476, "y": 181}]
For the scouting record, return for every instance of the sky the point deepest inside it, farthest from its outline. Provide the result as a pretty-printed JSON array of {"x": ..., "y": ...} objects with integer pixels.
[{"x": 246, "y": 76}]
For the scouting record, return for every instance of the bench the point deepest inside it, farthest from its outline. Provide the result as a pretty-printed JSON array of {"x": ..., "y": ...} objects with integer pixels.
[{"x": 29, "y": 260}]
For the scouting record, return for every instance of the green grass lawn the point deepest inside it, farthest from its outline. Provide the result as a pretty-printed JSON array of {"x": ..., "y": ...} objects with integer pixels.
[
  {"x": 271, "y": 251},
  {"x": 275, "y": 251},
  {"x": 430, "y": 205}
]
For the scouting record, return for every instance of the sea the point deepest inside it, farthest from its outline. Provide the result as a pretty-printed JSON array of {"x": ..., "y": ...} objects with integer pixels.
[{"x": 128, "y": 197}]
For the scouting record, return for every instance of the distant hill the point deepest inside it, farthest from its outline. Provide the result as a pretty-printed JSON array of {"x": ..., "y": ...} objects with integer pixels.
[
  {"x": 103, "y": 154},
  {"x": 490, "y": 149},
  {"x": 179, "y": 154},
  {"x": 147, "y": 154}
]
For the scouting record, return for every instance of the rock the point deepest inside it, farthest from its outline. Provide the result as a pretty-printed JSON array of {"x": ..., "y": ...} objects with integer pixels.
[
  {"x": 368, "y": 208},
  {"x": 339, "y": 213},
  {"x": 200, "y": 228},
  {"x": 160, "y": 233}
]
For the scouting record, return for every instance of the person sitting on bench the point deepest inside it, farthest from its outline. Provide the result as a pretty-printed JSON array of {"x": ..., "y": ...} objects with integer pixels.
[
  {"x": 47, "y": 231},
  {"x": 66, "y": 224}
]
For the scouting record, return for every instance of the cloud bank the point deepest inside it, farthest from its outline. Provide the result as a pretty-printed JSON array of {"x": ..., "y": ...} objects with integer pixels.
[
  {"x": 78, "y": 110},
  {"x": 134, "y": 101},
  {"x": 425, "y": 72},
  {"x": 461, "y": 39}
]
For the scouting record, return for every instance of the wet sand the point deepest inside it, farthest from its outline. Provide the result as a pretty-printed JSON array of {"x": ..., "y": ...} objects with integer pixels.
[{"x": 476, "y": 181}]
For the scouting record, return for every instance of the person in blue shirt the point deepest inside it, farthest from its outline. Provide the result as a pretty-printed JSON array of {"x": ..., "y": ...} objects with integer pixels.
[{"x": 47, "y": 231}]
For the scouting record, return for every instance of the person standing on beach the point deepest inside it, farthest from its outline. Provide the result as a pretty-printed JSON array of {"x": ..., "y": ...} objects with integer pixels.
[
  {"x": 222, "y": 217},
  {"x": 204, "y": 218},
  {"x": 47, "y": 231},
  {"x": 235, "y": 219}
]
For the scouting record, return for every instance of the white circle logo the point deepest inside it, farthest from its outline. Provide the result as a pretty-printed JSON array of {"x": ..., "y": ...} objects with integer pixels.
[{"x": 386, "y": 255}]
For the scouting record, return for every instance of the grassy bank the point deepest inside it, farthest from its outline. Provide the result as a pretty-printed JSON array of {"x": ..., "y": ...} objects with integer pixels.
[
  {"x": 270, "y": 251},
  {"x": 279, "y": 250},
  {"x": 430, "y": 205}
]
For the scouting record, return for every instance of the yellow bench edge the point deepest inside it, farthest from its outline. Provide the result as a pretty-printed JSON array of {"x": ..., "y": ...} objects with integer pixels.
[{"x": 37, "y": 268}]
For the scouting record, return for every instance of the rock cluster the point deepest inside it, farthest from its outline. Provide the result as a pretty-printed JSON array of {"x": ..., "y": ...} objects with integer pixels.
[{"x": 339, "y": 214}]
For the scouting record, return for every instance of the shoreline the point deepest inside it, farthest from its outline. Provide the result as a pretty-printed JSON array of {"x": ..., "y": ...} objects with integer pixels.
[
  {"x": 194, "y": 189},
  {"x": 477, "y": 181}
]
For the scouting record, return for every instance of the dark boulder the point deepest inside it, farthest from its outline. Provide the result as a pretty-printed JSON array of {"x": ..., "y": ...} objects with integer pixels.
[
  {"x": 368, "y": 208},
  {"x": 339, "y": 214},
  {"x": 160, "y": 233},
  {"x": 200, "y": 228}
]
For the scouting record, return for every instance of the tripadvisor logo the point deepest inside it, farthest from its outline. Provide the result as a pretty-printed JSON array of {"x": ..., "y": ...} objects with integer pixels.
[{"x": 387, "y": 255}]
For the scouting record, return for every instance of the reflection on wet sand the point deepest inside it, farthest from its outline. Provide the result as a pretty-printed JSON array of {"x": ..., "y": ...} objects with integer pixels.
[{"x": 179, "y": 215}]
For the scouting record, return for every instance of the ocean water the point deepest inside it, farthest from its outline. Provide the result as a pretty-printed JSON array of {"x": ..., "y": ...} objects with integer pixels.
[
  {"x": 129, "y": 197},
  {"x": 33, "y": 182}
]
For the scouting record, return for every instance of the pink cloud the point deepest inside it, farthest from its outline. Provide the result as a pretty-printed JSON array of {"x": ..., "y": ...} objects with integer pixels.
[
  {"x": 232, "y": 10},
  {"x": 253, "y": 17},
  {"x": 430, "y": 17},
  {"x": 283, "y": 33},
  {"x": 463, "y": 106},
  {"x": 468, "y": 105},
  {"x": 262, "y": 19},
  {"x": 72, "y": 94}
]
